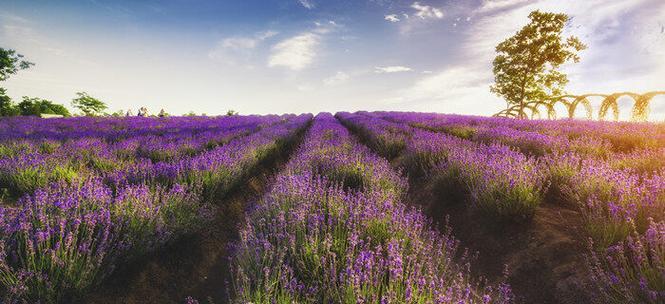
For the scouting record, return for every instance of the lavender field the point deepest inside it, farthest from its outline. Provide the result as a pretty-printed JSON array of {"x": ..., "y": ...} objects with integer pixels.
[{"x": 365, "y": 207}]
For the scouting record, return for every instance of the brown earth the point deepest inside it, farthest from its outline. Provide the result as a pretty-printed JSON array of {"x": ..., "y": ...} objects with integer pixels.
[
  {"x": 544, "y": 257},
  {"x": 196, "y": 265}
]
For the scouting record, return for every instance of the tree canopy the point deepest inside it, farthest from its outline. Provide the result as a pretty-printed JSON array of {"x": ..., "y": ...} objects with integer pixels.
[
  {"x": 33, "y": 106},
  {"x": 526, "y": 68},
  {"x": 11, "y": 62},
  {"x": 7, "y": 106},
  {"x": 89, "y": 105}
]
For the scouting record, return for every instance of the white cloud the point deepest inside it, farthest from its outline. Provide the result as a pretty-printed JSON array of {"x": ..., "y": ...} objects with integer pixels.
[
  {"x": 233, "y": 49},
  {"x": 426, "y": 11},
  {"x": 239, "y": 43},
  {"x": 391, "y": 69},
  {"x": 605, "y": 26},
  {"x": 266, "y": 34},
  {"x": 451, "y": 90},
  {"x": 247, "y": 42},
  {"x": 490, "y": 6},
  {"x": 326, "y": 27},
  {"x": 295, "y": 53},
  {"x": 391, "y": 18},
  {"x": 421, "y": 17},
  {"x": 22, "y": 30},
  {"x": 13, "y": 18},
  {"x": 299, "y": 52},
  {"x": 338, "y": 78},
  {"x": 308, "y": 4}
]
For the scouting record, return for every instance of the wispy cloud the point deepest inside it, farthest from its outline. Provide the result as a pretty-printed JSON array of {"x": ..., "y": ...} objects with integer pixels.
[
  {"x": 308, "y": 4},
  {"x": 300, "y": 51},
  {"x": 464, "y": 85},
  {"x": 326, "y": 27},
  {"x": 13, "y": 18},
  {"x": 489, "y": 6},
  {"x": 392, "y": 18},
  {"x": 24, "y": 33},
  {"x": 232, "y": 50},
  {"x": 454, "y": 86},
  {"x": 426, "y": 11},
  {"x": 417, "y": 16},
  {"x": 338, "y": 78},
  {"x": 391, "y": 69},
  {"x": 295, "y": 53}
]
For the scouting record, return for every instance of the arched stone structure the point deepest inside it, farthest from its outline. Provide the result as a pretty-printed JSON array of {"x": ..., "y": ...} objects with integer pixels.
[{"x": 640, "y": 110}]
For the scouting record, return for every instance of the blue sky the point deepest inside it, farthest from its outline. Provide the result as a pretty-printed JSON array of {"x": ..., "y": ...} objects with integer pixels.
[{"x": 277, "y": 56}]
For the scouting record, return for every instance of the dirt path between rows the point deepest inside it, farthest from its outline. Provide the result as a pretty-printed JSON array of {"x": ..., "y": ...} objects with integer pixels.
[
  {"x": 545, "y": 258},
  {"x": 197, "y": 265}
]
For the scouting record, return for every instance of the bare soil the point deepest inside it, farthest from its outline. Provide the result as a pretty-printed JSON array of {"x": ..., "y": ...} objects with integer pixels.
[
  {"x": 197, "y": 265},
  {"x": 544, "y": 257}
]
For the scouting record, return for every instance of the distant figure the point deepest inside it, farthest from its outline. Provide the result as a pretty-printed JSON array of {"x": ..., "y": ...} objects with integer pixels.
[
  {"x": 162, "y": 113},
  {"x": 129, "y": 113},
  {"x": 143, "y": 112}
]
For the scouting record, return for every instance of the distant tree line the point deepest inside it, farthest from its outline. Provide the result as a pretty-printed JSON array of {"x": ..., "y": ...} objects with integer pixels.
[
  {"x": 11, "y": 63},
  {"x": 30, "y": 106}
]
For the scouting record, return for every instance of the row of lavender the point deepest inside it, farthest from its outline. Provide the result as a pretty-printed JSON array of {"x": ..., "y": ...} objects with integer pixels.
[
  {"x": 333, "y": 230},
  {"x": 29, "y": 163},
  {"x": 113, "y": 129},
  {"x": 69, "y": 231},
  {"x": 507, "y": 172},
  {"x": 620, "y": 136},
  {"x": 635, "y": 146}
]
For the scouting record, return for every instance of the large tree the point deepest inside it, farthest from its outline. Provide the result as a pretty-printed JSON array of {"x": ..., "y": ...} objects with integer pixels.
[
  {"x": 526, "y": 68},
  {"x": 89, "y": 105},
  {"x": 11, "y": 62}
]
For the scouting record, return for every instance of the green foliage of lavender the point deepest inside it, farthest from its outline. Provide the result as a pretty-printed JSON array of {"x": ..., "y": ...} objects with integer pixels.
[
  {"x": 72, "y": 228},
  {"x": 314, "y": 240},
  {"x": 631, "y": 271},
  {"x": 95, "y": 192},
  {"x": 612, "y": 173},
  {"x": 493, "y": 179},
  {"x": 64, "y": 239}
]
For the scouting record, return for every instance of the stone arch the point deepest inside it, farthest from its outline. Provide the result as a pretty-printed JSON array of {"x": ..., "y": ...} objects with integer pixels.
[
  {"x": 611, "y": 103},
  {"x": 640, "y": 109},
  {"x": 584, "y": 101},
  {"x": 551, "y": 112},
  {"x": 552, "y": 102},
  {"x": 509, "y": 112},
  {"x": 642, "y": 103}
]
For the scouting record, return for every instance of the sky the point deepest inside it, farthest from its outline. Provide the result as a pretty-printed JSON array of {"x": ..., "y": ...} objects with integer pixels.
[{"x": 295, "y": 56}]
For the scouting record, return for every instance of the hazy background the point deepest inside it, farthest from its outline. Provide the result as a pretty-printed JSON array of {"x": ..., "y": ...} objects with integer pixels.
[{"x": 276, "y": 56}]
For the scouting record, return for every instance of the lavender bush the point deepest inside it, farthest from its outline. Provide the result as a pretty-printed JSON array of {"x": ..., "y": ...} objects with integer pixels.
[
  {"x": 611, "y": 172},
  {"x": 313, "y": 240},
  {"x": 67, "y": 235}
]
